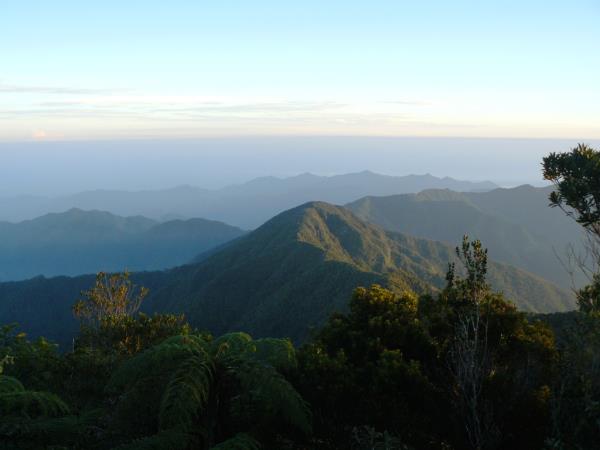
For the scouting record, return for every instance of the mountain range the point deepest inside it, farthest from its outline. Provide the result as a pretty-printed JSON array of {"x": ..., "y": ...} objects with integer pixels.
[
  {"x": 246, "y": 205},
  {"x": 282, "y": 279},
  {"x": 78, "y": 242},
  {"x": 516, "y": 225}
]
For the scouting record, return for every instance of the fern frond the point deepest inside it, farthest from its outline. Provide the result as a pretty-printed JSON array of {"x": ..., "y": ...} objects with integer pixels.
[
  {"x": 275, "y": 395},
  {"x": 32, "y": 404},
  {"x": 279, "y": 353},
  {"x": 188, "y": 340},
  {"x": 10, "y": 384},
  {"x": 241, "y": 441},
  {"x": 232, "y": 345},
  {"x": 48, "y": 430},
  {"x": 161, "y": 358},
  {"x": 187, "y": 392},
  {"x": 174, "y": 439}
]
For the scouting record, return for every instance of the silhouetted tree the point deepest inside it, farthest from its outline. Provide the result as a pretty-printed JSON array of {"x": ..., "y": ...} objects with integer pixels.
[
  {"x": 576, "y": 397},
  {"x": 469, "y": 358}
]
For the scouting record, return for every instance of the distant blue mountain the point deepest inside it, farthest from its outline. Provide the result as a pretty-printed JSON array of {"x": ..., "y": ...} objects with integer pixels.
[
  {"x": 245, "y": 205},
  {"x": 77, "y": 242}
]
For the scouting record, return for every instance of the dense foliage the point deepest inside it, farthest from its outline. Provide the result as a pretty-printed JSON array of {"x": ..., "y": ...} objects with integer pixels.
[
  {"x": 463, "y": 369},
  {"x": 134, "y": 381}
]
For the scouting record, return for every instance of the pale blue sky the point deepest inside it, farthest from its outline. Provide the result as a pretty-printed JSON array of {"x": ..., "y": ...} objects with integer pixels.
[{"x": 171, "y": 69}]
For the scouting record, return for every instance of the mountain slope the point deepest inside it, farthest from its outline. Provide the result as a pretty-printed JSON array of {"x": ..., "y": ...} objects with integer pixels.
[
  {"x": 290, "y": 274},
  {"x": 446, "y": 216},
  {"x": 246, "y": 205},
  {"x": 78, "y": 242},
  {"x": 529, "y": 206}
]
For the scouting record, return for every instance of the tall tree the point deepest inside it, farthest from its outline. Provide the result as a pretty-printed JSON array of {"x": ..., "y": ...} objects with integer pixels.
[
  {"x": 576, "y": 399},
  {"x": 469, "y": 356},
  {"x": 113, "y": 296},
  {"x": 576, "y": 177}
]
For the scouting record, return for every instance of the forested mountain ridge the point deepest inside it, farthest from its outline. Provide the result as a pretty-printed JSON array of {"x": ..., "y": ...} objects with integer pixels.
[
  {"x": 288, "y": 276},
  {"x": 77, "y": 242},
  {"x": 245, "y": 205},
  {"x": 306, "y": 261},
  {"x": 515, "y": 224}
]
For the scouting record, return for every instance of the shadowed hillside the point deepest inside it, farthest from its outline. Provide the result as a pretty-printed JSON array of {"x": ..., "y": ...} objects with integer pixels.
[{"x": 78, "y": 242}]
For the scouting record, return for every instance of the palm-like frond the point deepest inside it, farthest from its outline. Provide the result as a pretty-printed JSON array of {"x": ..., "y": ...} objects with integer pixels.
[
  {"x": 162, "y": 358},
  {"x": 188, "y": 340},
  {"x": 187, "y": 392},
  {"x": 232, "y": 345},
  {"x": 10, "y": 384},
  {"x": 55, "y": 429},
  {"x": 274, "y": 395},
  {"x": 173, "y": 439},
  {"x": 279, "y": 353},
  {"x": 184, "y": 372},
  {"x": 240, "y": 441},
  {"x": 31, "y": 404}
]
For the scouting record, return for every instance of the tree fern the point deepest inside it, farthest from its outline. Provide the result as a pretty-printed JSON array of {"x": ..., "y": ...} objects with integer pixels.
[
  {"x": 164, "y": 357},
  {"x": 32, "y": 404},
  {"x": 30, "y": 419},
  {"x": 188, "y": 340},
  {"x": 173, "y": 439},
  {"x": 274, "y": 395},
  {"x": 240, "y": 441},
  {"x": 187, "y": 392},
  {"x": 232, "y": 345},
  {"x": 279, "y": 353},
  {"x": 182, "y": 384},
  {"x": 58, "y": 429},
  {"x": 10, "y": 384}
]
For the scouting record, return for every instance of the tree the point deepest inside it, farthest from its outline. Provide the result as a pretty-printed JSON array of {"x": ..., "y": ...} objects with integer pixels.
[
  {"x": 576, "y": 396},
  {"x": 469, "y": 355},
  {"x": 111, "y": 321},
  {"x": 35, "y": 363},
  {"x": 112, "y": 297},
  {"x": 368, "y": 369},
  {"x": 576, "y": 177},
  {"x": 501, "y": 365},
  {"x": 112, "y": 330},
  {"x": 127, "y": 335}
]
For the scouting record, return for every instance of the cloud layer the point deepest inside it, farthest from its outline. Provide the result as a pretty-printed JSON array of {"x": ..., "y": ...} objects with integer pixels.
[{"x": 44, "y": 112}]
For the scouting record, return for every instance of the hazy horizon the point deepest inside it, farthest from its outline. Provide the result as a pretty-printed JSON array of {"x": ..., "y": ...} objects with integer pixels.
[
  {"x": 39, "y": 168},
  {"x": 118, "y": 96}
]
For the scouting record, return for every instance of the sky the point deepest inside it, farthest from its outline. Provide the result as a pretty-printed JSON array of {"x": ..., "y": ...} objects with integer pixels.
[{"x": 146, "y": 70}]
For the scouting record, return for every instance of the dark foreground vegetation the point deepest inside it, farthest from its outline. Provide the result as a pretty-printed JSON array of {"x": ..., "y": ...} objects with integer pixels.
[{"x": 459, "y": 369}]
